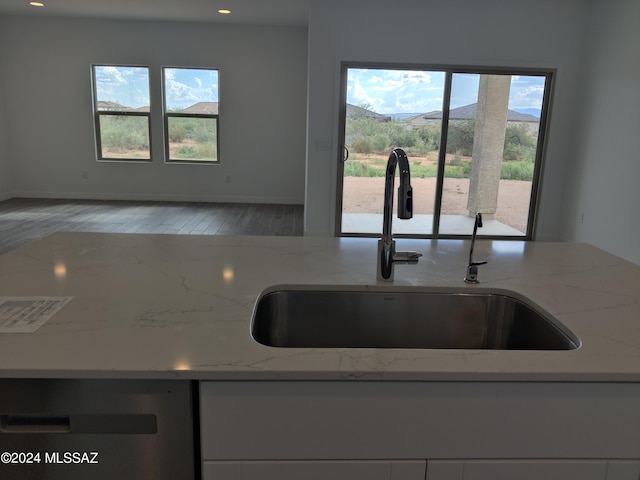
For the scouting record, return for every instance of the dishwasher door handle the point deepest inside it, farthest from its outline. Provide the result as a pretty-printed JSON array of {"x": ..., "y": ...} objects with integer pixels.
[
  {"x": 103, "y": 423},
  {"x": 35, "y": 424}
]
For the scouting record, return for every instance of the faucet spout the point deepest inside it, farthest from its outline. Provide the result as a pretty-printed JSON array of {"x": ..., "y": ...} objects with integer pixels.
[
  {"x": 405, "y": 192},
  {"x": 472, "y": 267},
  {"x": 387, "y": 254}
]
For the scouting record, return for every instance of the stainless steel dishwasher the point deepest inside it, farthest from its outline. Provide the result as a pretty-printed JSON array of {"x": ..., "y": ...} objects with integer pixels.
[{"x": 97, "y": 429}]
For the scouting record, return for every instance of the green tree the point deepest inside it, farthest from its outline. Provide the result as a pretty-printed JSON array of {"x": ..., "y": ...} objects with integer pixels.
[
  {"x": 519, "y": 144},
  {"x": 460, "y": 137}
]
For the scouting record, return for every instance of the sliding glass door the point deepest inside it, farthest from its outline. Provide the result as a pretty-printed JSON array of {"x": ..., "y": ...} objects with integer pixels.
[{"x": 473, "y": 138}]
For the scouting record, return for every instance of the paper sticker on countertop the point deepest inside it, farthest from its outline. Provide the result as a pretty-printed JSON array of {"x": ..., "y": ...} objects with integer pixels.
[{"x": 27, "y": 314}]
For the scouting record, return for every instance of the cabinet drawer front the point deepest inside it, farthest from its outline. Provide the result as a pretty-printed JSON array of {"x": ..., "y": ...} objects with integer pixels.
[
  {"x": 327, "y": 470},
  {"x": 406, "y": 421},
  {"x": 516, "y": 469},
  {"x": 303, "y": 421}
]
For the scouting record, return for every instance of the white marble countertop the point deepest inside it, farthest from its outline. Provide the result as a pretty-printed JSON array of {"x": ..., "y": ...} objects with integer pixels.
[{"x": 169, "y": 306}]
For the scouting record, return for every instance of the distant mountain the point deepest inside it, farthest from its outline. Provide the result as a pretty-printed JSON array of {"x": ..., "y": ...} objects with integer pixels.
[
  {"x": 461, "y": 112},
  {"x": 467, "y": 112},
  {"x": 531, "y": 111},
  {"x": 402, "y": 116},
  {"x": 361, "y": 112}
]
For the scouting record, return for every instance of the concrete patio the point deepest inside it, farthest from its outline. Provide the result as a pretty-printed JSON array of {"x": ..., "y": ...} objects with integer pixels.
[{"x": 365, "y": 223}]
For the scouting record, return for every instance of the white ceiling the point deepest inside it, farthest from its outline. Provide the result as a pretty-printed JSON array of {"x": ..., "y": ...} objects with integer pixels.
[{"x": 253, "y": 12}]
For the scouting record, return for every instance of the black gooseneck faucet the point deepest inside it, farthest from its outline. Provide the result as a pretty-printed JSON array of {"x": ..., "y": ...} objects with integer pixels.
[{"x": 387, "y": 255}]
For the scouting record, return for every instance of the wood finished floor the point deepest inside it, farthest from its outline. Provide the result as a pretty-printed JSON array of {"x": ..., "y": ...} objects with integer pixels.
[{"x": 25, "y": 220}]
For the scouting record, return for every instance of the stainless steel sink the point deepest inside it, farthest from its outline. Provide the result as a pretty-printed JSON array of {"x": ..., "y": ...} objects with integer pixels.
[{"x": 359, "y": 317}]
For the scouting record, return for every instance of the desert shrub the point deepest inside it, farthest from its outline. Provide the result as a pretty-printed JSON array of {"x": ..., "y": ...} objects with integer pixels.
[
  {"x": 518, "y": 134},
  {"x": 204, "y": 132},
  {"x": 460, "y": 137},
  {"x": 198, "y": 151},
  {"x": 519, "y": 144},
  {"x": 200, "y": 130},
  {"x": 514, "y": 152},
  {"x": 430, "y": 136},
  {"x": 208, "y": 150},
  {"x": 401, "y": 136},
  {"x": 457, "y": 160},
  {"x": 517, "y": 170},
  {"x": 177, "y": 133},
  {"x": 380, "y": 143},
  {"x": 362, "y": 145},
  {"x": 121, "y": 133},
  {"x": 185, "y": 151}
]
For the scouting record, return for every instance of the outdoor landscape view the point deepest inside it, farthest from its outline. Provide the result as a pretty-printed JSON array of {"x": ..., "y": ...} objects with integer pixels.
[
  {"x": 381, "y": 114},
  {"x": 385, "y": 108},
  {"x": 123, "y": 110}
]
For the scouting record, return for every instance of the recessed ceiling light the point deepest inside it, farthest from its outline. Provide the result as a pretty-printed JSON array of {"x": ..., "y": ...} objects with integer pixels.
[
  {"x": 36, "y": 4},
  {"x": 224, "y": 11}
]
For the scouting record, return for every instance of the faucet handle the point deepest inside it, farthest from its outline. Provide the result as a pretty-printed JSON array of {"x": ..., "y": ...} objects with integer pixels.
[
  {"x": 472, "y": 274},
  {"x": 405, "y": 201},
  {"x": 406, "y": 257}
]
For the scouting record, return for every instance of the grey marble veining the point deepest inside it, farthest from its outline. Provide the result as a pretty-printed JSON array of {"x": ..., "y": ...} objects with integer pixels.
[{"x": 171, "y": 306}]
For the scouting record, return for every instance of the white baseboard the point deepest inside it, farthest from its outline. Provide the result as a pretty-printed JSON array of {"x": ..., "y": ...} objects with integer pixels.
[{"x": 158, "y": 197}]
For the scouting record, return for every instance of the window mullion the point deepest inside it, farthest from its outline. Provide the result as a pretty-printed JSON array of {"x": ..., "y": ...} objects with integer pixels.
[{"x": 442, "y": 153}]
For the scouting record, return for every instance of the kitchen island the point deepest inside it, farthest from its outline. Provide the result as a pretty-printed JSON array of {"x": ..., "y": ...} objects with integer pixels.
[
  {"x": 169, "y": 306},
  {"x": 165, "y": 307}
]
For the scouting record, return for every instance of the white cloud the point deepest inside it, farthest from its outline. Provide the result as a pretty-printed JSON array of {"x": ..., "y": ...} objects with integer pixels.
[
  {"x": 416, "y": 77},
  {"x": 395, "y": 91},
  {"x": 361, "y": 97},
  {"x": 529, "y": 96},
  {"x": 392, "y": 85},
  {"x": 178, "y": 94},
  {"x": 185, "y": 87},
  {"x": 111, "y": 75},
  {"x": 128, "y": 86}
]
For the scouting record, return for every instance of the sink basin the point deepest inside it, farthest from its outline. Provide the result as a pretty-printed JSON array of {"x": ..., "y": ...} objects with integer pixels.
[{"x": 437, "y": 318}]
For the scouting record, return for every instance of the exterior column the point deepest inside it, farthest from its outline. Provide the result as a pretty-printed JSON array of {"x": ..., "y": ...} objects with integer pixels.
[{"x": 488, "y": 144}]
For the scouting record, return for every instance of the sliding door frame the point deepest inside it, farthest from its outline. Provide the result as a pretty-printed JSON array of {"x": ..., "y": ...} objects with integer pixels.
[{"x": 342, "y": 153}]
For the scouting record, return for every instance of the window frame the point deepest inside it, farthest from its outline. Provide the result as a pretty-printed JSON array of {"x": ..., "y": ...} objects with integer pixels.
[
  {"x": 97, "y": 113},
  {"x": 549, "y": 73},
  {"x": 166, "y": 115}
]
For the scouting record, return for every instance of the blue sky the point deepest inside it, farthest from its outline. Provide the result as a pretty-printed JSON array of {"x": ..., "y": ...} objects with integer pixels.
[
  {"x": 129, "y": 86},
  {"x": 411, "y": 91}
]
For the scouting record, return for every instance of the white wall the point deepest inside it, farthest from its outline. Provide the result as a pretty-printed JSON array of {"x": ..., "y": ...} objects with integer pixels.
[
  {"x": 606, "y": 182},
  {"x": 5, "y": 166},
  {"x": 592, "y": 152},
  {"x": 518, "y": 33},
  {"x": 47, "y": 90}
]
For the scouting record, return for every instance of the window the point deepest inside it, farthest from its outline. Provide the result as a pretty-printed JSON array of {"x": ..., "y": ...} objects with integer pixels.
[
  {"x": 191, "y": 120},
  {"x": 121, "y": 105},
  {"x": 474, "y": 138}
]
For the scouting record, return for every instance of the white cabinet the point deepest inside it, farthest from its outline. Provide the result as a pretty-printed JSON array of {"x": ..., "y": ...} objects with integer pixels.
[
  {"x": 621, "y": 470},
  {"x": 532, "y": 470},
  {"x": 314, "y": 470},
  {"x": 516, "y": 470},
  {"x": 371, "y": 430}
]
